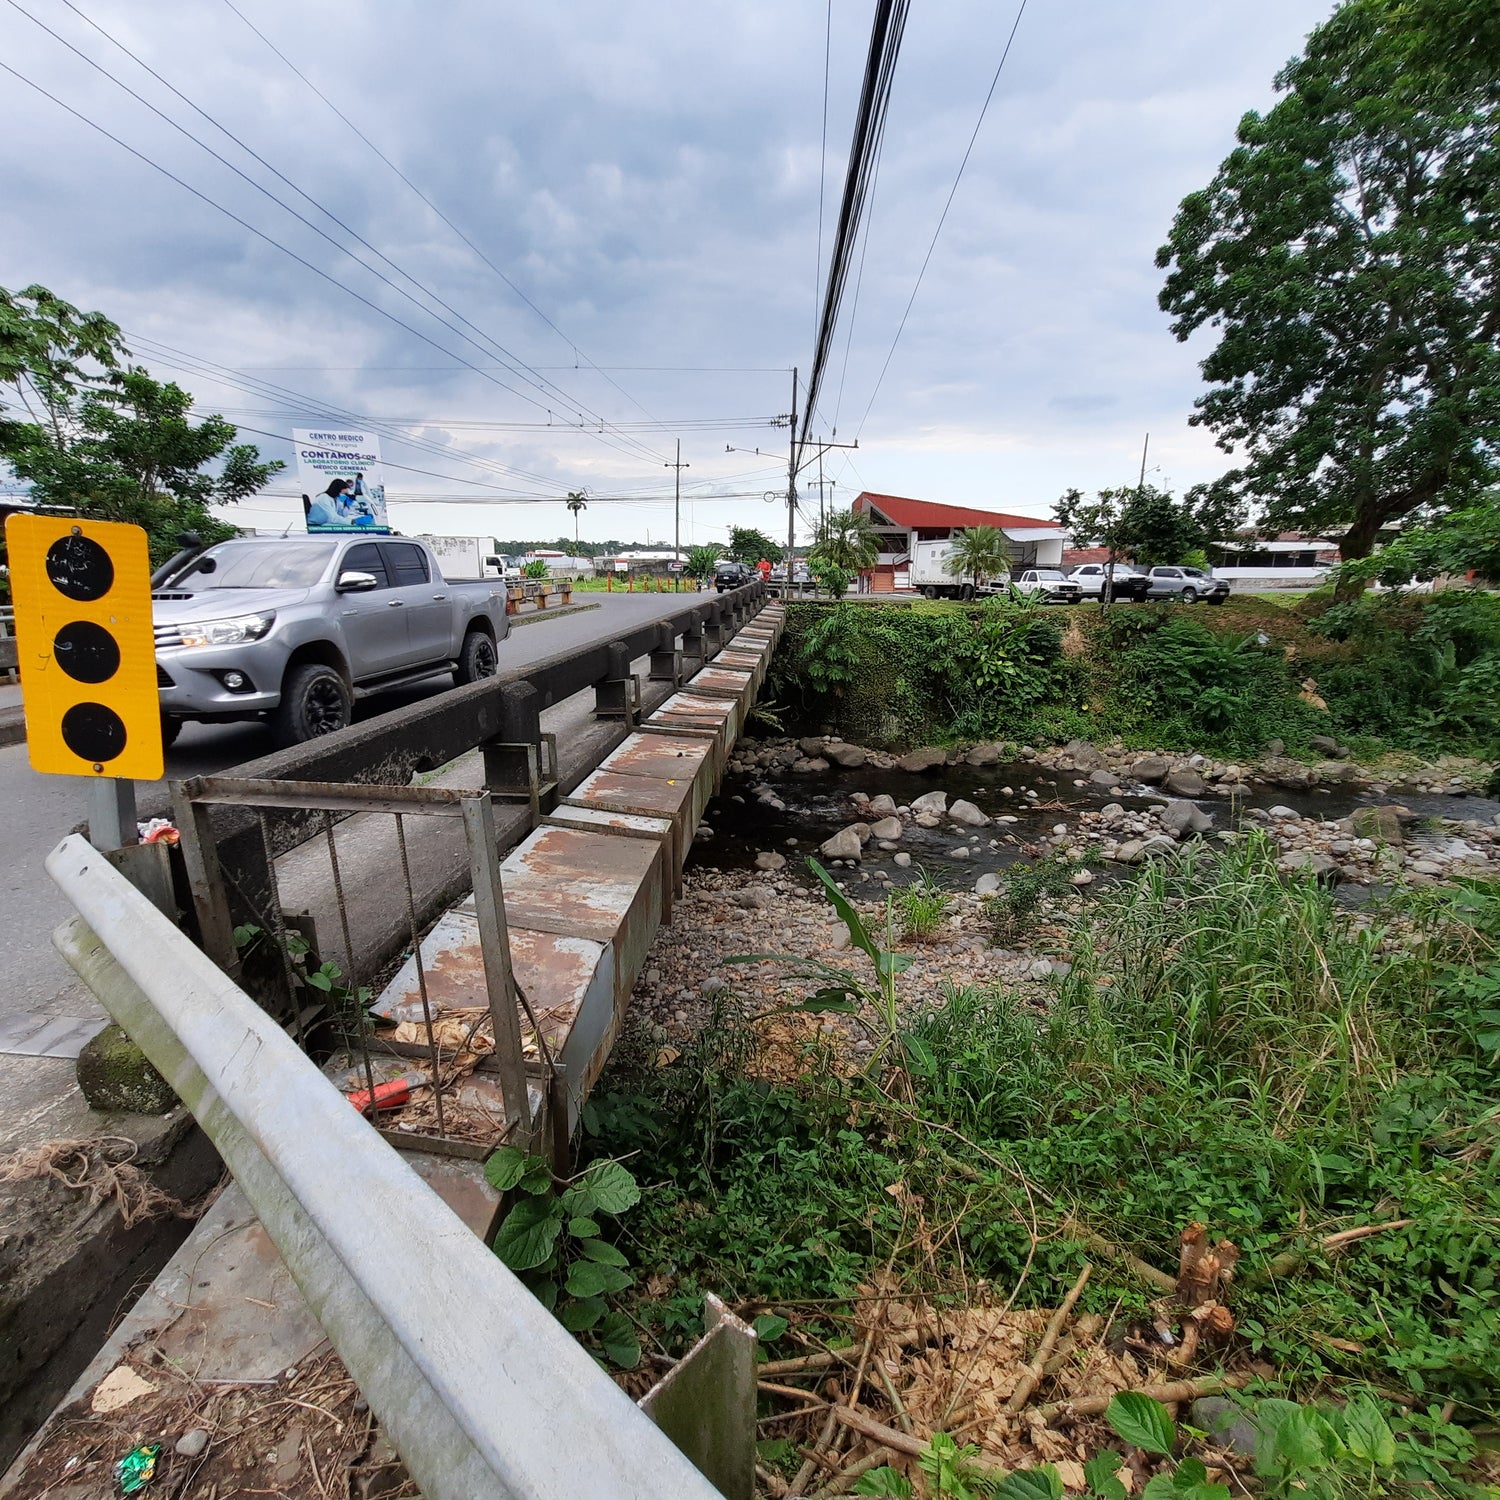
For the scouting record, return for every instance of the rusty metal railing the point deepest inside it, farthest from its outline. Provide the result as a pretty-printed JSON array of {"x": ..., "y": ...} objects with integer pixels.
[{"x": 319, "y": 1002}]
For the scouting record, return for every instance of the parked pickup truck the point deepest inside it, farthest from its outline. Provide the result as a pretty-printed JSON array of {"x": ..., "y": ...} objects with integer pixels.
[
  {"x": 1125, "y": 582},
  {"x": 1052, "y": 584},
  {"x": 1186, "y": 585},
  {"x": 294, "y": 629}
]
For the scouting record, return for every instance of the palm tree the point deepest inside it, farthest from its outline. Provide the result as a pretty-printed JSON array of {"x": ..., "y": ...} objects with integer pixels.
[
  {"x": 577, "y": 501},
  {"x": 701, "y": 560},
  {"x": 846, "y": 539},
  {"x": 979, "y": 554}
]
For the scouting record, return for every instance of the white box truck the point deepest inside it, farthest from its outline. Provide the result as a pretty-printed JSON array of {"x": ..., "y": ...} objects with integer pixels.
[{"x": 931, "y": 576}]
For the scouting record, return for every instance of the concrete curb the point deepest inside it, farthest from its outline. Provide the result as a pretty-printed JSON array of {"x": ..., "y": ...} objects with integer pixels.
[{"x": 12, "y": 727}]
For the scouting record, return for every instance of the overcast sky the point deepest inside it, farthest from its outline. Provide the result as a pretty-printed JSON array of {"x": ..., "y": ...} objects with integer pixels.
[{"x": 648, "y": 175}]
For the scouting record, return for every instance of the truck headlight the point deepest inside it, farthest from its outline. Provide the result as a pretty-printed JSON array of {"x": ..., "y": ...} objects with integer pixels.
[{"x": 231, "y": 632}]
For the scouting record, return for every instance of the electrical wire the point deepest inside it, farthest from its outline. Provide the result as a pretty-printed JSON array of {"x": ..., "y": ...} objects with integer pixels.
[
  {"x": 340, "y": 114},
  {"x": 943, "y": 217},
  {"x": 822, "y": 163},
  {"x": 869, "y": 133},
  {"x": 510, "y": 361}
]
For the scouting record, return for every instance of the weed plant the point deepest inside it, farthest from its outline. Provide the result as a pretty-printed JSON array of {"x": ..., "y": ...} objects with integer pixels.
[
  {"x": 921, "y": 905},
  {"x": 1228, "y": 1047},
  {"x": 1015, "y": 908}
]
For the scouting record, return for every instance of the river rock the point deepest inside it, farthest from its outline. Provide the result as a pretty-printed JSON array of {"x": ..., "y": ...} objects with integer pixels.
[
  {"x": 1081, "y": 878},
  {"x": 927, "y": 759},
  {"x": 1129, "y": 853},
  {"x": 1335, "y": 770},
  {"x": 845, "y": 844},
  {"x": 192, "y": 1442},
  {"x": 928, "y": 820},
  {"x": 960, "y": 851},
  {"x": 1184, "y": 782},
  {"x": 767, "y": 860},
  {"x": 1427, "y": 867},
  {"x": 811, "y": 745},
  {"x": 1103, "y": 778},
  {"x": 1380, "y": 823},
  {"x": 1152, "y": 770},
  {"x": 988, "y": 754},
  {"x": 849, "y": 757},
  {"x": 1321, "y": 866},
  {"x": 1181, "y": 818},
  {"x": 1279, "y": 811},
  {"x": 809, "y": 766},
  {"x": 1275, "y": 747},
  {"x": 1083, "y": 754},
  {"x": 882, "y": 806},
  {"x": 987, "y": 884},
  {"x": 1158, "y": 844},
  {"x": 886, "y": 828},
  {"x": 967, "y": 814},
  {"x": 932, "y": 803},
  {"x": 1325, "y": 744},
  {"x": 1281, "y": 771},
  {"x": 903, "y": 859}
]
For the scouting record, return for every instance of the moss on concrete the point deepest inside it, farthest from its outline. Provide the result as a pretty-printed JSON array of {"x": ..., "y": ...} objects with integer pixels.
[{"x": 114, "y": 1074}]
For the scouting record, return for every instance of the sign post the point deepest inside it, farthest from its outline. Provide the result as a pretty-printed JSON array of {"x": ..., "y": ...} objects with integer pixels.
[{"x": 87, "y": 655}]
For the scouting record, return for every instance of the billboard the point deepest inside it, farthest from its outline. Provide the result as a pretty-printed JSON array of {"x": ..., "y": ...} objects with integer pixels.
[{"x": 343, "y": 485}]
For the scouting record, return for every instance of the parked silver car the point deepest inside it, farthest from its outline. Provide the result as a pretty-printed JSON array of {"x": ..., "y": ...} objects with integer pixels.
[
  {"x": 294, "y": 629},
  {"x": 1186, "y": 585}
]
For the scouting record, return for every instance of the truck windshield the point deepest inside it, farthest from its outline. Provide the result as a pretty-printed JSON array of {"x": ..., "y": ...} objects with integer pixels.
[
  {"x": 1049, "y": 575},
  {"x": 287, "y": 564}
]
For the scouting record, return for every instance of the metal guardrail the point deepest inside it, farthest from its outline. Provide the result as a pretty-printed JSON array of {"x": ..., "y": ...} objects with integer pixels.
[{"x": 483, "y": 1393}]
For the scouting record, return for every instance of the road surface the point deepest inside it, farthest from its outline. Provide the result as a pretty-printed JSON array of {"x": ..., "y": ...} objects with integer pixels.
[{"x": 45, "y": 1012}]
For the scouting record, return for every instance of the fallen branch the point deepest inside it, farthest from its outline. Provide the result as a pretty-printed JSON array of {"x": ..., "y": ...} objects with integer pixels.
[
  {"x": 1175, "y": 1390},
  {"x": 789, "y": 1390},
  {"x": 900, "y": 1442},
  {"x": 849, "y": 1477},
  {"x": 1033, "y": 1373},
  {"x": 1292, "y": 1260},
  {"x": 1111, "y": 1251}
]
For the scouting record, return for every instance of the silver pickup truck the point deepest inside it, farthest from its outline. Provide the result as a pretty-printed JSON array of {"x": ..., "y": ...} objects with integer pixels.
[{"x": 294, "y": 629}]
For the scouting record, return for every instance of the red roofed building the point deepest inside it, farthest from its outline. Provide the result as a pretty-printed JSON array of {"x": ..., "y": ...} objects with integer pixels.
[{"x": 900, "y": 522}]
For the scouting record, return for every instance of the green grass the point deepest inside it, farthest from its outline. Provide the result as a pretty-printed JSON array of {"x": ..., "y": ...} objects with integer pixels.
[
  {"x": 920, "y": 906},
  {"x": 1227, "y": 1048}
]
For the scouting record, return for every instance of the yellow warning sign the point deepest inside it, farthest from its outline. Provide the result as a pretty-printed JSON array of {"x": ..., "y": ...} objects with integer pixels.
[{"x": 82, "y": 595}]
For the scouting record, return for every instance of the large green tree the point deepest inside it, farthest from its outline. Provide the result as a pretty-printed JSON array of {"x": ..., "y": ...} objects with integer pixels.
[
  {"x": 90, "y": 431},
  {"x": 748, "y": 545},
  {"x": 846, "y": 539},
  {"x": 1143, "y": 523},
  {"x": 1348, "y": 253}
]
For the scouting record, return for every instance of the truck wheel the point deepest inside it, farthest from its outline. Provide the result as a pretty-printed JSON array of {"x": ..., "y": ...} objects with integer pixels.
[
  {"x": 314, "y": 701},
  {"x": 170, "y": 729},
  {"x": 478, "y": 658},
  {"x": 1189, "y": 595},
  {"x": 966, "y": 592},
  {"x": 929, "y": 591}
]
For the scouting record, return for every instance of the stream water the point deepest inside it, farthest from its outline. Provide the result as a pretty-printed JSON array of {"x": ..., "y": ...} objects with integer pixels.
[{"x": 1037, "y": 797}]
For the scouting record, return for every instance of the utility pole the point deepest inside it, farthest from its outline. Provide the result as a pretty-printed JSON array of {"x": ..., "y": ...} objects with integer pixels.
[
  {"x": 791, "y": 491},
  {"x": 679, "y": 466},
  {"x": 1141, "y": 484},
  {"x": 820, "y": 486}
]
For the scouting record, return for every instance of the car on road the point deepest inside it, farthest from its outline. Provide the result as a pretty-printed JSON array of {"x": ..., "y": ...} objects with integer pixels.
[
  {"x": 732, "y": 575},
  {"x": 293, "y": 629},
  {"x": 1124, "y": 582},
  {"x": 1186, "y": 585},
  {"x": 1052, "y": 584}
]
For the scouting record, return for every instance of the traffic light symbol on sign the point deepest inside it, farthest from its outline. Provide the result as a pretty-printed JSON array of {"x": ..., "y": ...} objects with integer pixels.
[{"x": 82, "y": 593}]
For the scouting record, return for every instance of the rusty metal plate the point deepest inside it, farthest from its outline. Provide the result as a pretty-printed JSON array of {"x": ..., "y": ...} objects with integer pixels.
[
  {"x": 602, "y": 820},
  {"x": 583, "y": 885},
  {"x": 717, "y": 682},
  {"x": 659, "y": 756},
  {"x": 651, "y": 796}
]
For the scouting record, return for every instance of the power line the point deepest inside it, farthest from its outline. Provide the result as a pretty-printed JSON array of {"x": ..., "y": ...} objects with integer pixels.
[
  {"x": 942, "y": 218},
  {"x": 869, "y": 133},
  {"x": 514, "y": 367},
  {"x": 822, "y": 162},
  {"x": 428, "y": 201}
]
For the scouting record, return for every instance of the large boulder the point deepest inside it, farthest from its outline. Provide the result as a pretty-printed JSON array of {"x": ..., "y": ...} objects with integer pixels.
[
  {"x": 1336, "y": 770},
  {"x": 933, "y": 804},
  {"x": 812, "y": 744},
  {"x": 1325, "y": 744},
  {"x": 845, "y": 844},
  {"x": 813, "y": 765},
  {"x": 1151, "y": 770},
  {"x": 882, "y": 806},
  {"x": 1380, "y": 823},
  {"x": 1183, "y": 818},
  {"x": 1104, "y": 778},
  {"x": 989, "y": 754},
  {"x": 115, "y": 1075},
  {"x": 1083, "y": 754},
  {"x": 1322, "y": 867},
  {"x": 850, "y": 757},
  {"x": 1185, "y": 782},
  {"x": 928, "y": 759},
  {"x": 887, "y": 828},
  {"x": 967, "y": 814}
]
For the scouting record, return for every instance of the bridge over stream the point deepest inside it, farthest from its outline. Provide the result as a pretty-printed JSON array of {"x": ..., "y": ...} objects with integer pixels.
[{"x": 486, "y": 871}]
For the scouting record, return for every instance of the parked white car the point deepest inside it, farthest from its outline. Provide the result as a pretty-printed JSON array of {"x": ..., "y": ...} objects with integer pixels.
[{"x": 1052, "y": 584}]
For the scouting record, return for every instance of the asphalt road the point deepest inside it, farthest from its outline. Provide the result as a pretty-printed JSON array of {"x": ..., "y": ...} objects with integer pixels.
[{"x": 36, "y": 811}]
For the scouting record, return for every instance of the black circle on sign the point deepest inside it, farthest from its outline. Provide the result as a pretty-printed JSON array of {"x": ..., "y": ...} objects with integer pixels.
[
  {"x": 93, "y": 732},
  {"x": 80, "y": 568},
  {"x": 86, "y": 652}
]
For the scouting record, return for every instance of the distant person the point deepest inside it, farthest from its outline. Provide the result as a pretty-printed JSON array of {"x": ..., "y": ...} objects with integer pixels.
[{"x": 764, "y": 569}]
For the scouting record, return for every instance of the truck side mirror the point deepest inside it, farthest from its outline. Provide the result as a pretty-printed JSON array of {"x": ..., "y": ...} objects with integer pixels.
[{"x": 351, "y": 582}]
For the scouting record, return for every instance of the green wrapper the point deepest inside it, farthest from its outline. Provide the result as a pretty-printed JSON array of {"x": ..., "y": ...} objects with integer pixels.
[{"x": 138, "y": 1468}]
